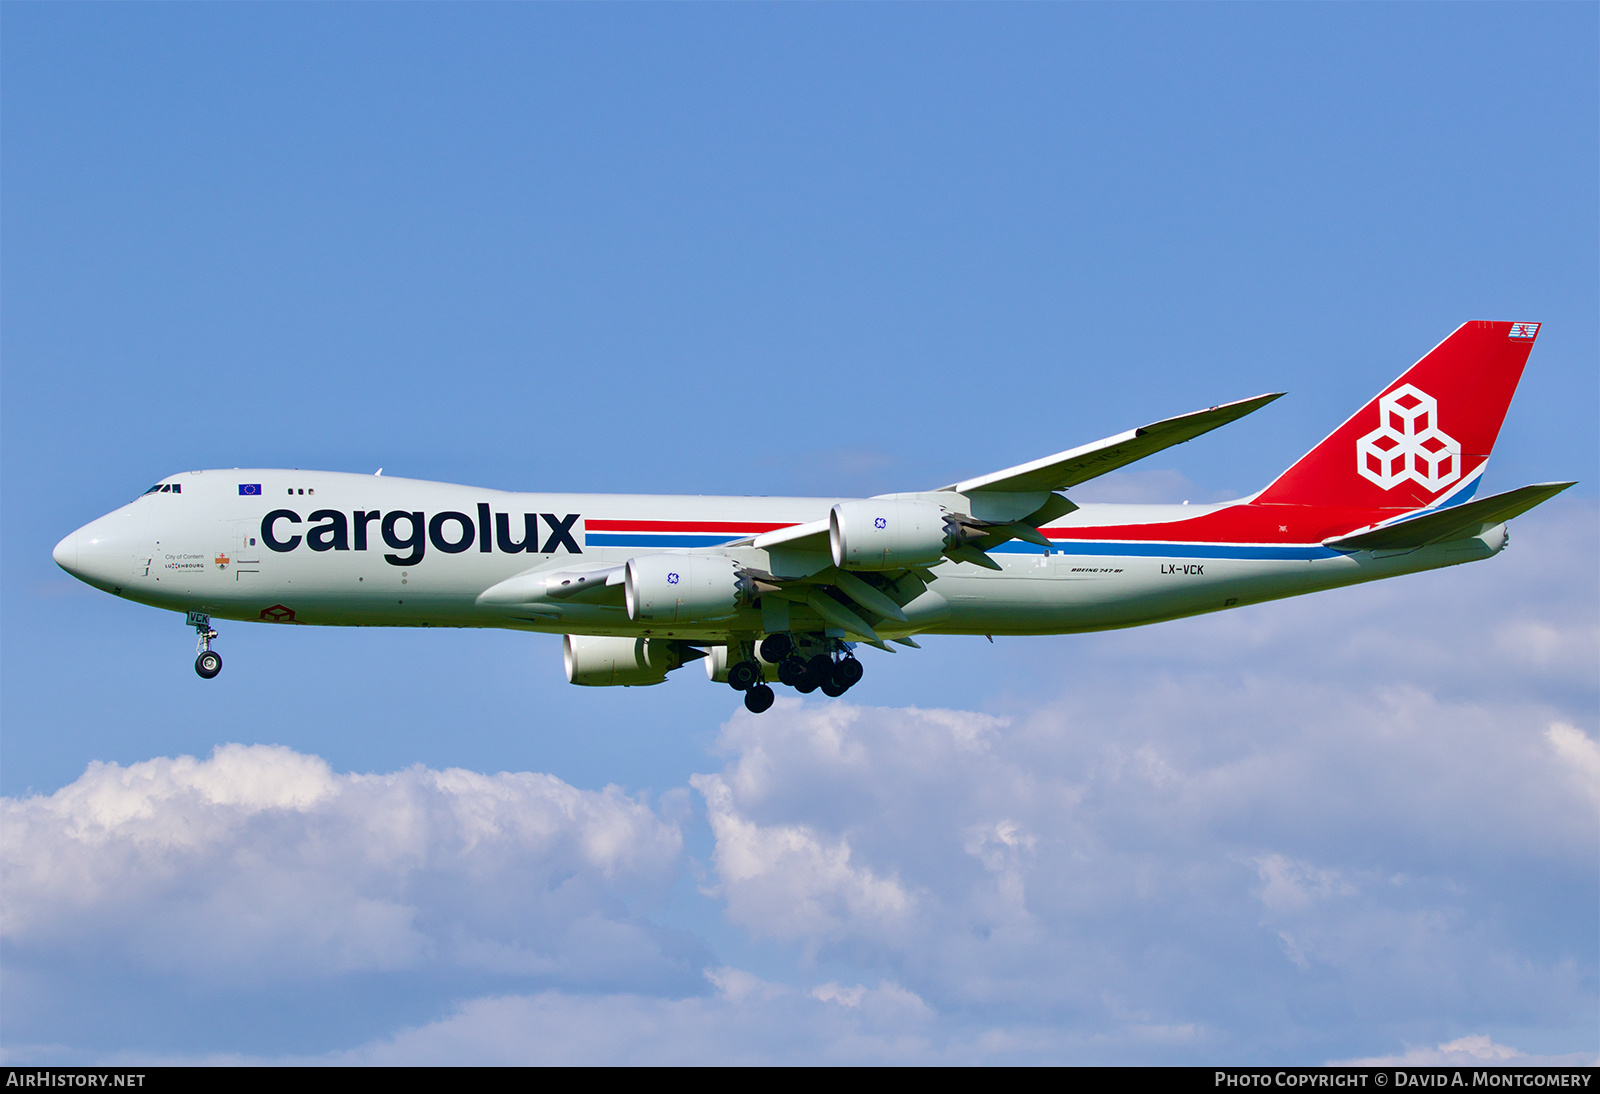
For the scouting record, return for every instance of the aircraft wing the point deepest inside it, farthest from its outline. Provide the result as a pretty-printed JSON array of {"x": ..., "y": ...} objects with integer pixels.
[
  {"x": 1081, "y": 464},
  {"x": 813, "y": 535},
  {"x": 1457, "y": 522}
]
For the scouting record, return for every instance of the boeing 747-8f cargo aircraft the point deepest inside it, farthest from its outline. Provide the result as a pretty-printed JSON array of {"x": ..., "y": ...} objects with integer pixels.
[{"x": 782, "y": 589}]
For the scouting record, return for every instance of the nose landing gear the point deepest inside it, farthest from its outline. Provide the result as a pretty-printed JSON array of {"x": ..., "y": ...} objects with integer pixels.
[{"x": 207, "y": 662}]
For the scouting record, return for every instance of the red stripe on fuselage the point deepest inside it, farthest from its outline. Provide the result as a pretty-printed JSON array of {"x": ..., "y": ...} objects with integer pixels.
[
  {"x": 732, "y": 527},
  {"x": 1251, "y": 523}
]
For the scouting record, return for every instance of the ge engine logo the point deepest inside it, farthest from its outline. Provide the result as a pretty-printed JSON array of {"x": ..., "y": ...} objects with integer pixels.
[
  {"x": 672, "y": 579},
  {"x": 1408, "y": 443},
  {"x": 879, "y": 522}
]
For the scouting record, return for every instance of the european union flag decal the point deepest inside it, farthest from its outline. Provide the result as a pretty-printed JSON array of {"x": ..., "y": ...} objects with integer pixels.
[{"x": 250, "y": 489}]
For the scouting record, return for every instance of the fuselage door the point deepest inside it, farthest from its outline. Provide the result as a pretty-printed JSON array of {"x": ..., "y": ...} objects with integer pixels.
[{"x": 243, "y": 553}]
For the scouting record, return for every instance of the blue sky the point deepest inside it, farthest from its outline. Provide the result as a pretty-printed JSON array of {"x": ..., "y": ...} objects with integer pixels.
[{"x": 783, "y": 249}]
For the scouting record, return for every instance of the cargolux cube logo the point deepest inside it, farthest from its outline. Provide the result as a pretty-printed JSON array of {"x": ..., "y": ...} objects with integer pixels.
[{"x": 1408, "y": 443}]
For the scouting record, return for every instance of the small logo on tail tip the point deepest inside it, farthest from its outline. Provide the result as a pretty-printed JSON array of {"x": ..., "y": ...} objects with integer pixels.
[
  {"x": 1524, "y": 330},
  {"x": 1408, "y": 443}
]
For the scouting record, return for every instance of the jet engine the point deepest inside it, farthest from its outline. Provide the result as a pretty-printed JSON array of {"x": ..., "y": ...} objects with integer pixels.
[
  {"x": 627, "y": 662},
  {"x": 718, "y": 662},
  {"x": 886, "y": 535},
  {"x": 681, "y": 588}
]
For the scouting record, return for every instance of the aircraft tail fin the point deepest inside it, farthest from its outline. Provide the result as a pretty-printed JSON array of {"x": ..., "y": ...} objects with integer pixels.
[{"x": 1425, "y": 439}]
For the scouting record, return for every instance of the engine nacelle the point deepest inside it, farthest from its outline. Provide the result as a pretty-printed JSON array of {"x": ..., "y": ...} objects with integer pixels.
[
  {"x": 886, "y": 535},
  {"x": 669, "y": 588},
  {"x": 619, "y": 662},
  {"x": 717, "y": 662}
]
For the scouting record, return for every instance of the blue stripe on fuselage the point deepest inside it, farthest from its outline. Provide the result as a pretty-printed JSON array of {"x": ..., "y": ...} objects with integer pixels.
[
  {"x": 1291, "y": 553},
  {"x": 1287, "y": 552}
]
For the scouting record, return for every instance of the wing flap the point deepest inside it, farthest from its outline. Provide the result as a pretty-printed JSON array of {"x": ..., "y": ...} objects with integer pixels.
[
  {"x": 1457, "y": 522},
  {"x": 1088, "y": 461}
]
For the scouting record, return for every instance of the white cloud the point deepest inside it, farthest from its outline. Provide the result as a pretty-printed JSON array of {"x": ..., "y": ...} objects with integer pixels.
[
  {"x": 787, "y": 882},
  {"x": 1474, "y": 1051},
  {"x": 1176, "y": 859},
  {"x": 260, "y": 863},
  {"x": 1315, "y": 829},
  {"x": 742, "y": 1020},
  {"x": 1288, "y": 886},
  {"x": 1579, "y": 753}
]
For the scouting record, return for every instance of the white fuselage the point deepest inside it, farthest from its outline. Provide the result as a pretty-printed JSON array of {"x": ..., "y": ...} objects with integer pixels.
[{"x": 350, "y": 550}]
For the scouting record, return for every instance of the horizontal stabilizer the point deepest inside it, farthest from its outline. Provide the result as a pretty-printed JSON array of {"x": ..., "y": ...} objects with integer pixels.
[
  {"x": 1089, "y": 461},
  {"x": 1457, "y": 522}
]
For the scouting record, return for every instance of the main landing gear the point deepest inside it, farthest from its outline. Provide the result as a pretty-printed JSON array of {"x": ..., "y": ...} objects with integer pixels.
[
  {"x": 810, "y": 664},
  {"x": 745, "y": 676},
  {"x": 207, "y": 662},
  {"x": 759, "y": 698}
]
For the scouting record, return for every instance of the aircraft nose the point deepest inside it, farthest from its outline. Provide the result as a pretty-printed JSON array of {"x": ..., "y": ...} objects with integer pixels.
[
  {"x": 66, "y": 554},
  {"x": 101, "y": 552}
]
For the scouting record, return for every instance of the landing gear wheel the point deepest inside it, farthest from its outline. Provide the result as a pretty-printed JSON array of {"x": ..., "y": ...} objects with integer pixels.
[
  {"x": 843, "y": 676},
  {"x": 792, "y": 671},
  {"x": 775, "y": 647},
  {"x": 848, "y": 673},
  {"x": 758, "y": 699},
  {"x": 744, "y": 675},
  {"x": 206, "y": 663}
]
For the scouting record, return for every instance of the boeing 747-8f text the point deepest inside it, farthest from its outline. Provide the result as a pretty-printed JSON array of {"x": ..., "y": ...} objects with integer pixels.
[{"x": 784, "y": 589}]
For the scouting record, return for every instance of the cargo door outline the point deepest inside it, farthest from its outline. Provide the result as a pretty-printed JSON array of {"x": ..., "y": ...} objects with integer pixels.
[{"x": 245, "y": 553}]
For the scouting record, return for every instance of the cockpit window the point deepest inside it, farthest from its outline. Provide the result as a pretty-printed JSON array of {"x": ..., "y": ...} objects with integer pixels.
[{"x": 165, "y": 488}]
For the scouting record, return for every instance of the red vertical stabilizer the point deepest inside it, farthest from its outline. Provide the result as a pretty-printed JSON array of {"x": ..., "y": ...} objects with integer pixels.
[{"x": 1424, "y": 436}]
